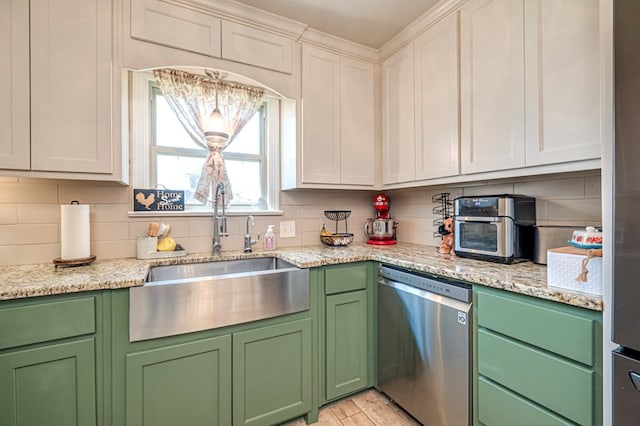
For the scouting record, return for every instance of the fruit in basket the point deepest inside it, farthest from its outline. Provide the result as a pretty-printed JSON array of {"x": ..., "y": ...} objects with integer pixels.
[{"x": 324, "y": 231}]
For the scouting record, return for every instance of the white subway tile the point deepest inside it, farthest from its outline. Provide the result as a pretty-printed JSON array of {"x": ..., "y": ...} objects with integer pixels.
[
  {"x": 586, "y": 209},
  {"x": 492, "y": 189},
  {"x": 28, "y": 193},
  {"x": 114, "y": 249},
  {"x": 8, "y": 214},
  {"x": 38, "y": 253},
  {"x": 8, "y": 255},
  {"x": 200, "y": 227},
  {"x": 109, "y": 231},
  {"x": 110, "y": 212},
  {"x": 39, "y": 213},
  {"x": 553, "y": 189},
  {"x": 95, "y": 194},
  {"x": 29, "y": 234}
]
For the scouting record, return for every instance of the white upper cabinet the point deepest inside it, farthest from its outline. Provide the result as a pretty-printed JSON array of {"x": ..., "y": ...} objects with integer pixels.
[
  {"x": 255, "y": 47},
  {"x": 563, "y": 77},
  {"x": 492, "y": 85},
  {"x": 357, "y": 147},
  {"x": 14, "y": 84},
  {"x": 320, "y": 116},
  {"x": 337, "y": 120},
  {"x": 198, "y": 30},
  {"x": 437, "y": 133},
  {"x": 71, "y": 86},
  {"x": 171, "y": 25},
  {"x": 57, "y": 118},
  {"x": 398, "y": 129}
]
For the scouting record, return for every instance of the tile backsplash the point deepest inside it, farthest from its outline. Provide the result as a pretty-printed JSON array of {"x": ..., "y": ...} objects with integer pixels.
[
  {"x": 30, "y": 214},
  {"x": 569, "y": 199}
]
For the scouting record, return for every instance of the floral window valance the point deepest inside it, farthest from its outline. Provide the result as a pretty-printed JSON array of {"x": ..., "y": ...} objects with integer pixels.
[{"x": 192, "y": 98}]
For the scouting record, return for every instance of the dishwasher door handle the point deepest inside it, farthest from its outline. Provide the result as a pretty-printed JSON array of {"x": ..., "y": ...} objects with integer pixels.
[{"x": 426, "y": 295}]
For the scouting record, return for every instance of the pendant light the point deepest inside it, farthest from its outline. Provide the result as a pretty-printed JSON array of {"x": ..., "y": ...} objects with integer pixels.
[{"x": 216, "y": 130}]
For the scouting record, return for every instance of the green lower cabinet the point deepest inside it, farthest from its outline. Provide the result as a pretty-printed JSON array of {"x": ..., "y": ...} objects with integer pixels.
[
  {"x": 53, "y": 385},
  {"x": 536, "y": 362},
  {"x": 272, "y": 373},
  {"x": 346, "y": 343},
  {"x": 186, "y": 384}
]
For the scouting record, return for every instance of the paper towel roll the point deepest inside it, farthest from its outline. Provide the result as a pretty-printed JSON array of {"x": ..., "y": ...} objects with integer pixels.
[{"x": 74, "y": 231}]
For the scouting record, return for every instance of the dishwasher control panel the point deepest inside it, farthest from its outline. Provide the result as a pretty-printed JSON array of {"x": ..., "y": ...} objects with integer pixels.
[{"x": 439, "y": 285}]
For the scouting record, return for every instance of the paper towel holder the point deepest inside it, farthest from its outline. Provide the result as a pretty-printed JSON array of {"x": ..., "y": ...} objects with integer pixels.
[{"x": 60, "y": 262}]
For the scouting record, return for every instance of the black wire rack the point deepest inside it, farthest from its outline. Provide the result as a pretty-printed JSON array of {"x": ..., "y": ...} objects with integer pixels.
[
  {"x": 443, "y": 209},
  {"x": 338, "y": 216}
]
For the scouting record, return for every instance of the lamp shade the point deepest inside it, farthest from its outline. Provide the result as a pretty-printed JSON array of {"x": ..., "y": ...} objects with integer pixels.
[{"x": 216, "y": 131}]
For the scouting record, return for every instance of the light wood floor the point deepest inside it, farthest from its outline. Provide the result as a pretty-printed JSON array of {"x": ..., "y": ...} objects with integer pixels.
[{"x": 369, "y": 408}]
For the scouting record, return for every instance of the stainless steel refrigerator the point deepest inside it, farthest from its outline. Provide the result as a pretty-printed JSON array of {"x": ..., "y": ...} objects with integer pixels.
[{"x": 626, "y": 280}]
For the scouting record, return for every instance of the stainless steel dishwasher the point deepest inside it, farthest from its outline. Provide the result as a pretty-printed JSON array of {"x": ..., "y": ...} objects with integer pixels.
[{"x": 424, "y": 345}]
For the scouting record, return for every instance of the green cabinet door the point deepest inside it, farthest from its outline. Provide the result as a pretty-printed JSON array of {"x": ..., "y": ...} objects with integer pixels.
[
  {"x": 272, "y": 373},
  {"x": 53, "y": 385},
  {"x": 346, "y": 343},
  {"x": 185, "y": 384}
]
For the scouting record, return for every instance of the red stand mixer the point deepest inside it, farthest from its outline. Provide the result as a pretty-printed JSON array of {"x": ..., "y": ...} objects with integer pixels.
[{"x": 381, "y": 230}]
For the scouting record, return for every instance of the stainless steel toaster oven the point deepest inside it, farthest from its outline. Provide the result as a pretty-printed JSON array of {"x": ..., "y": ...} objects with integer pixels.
[{"x": 497, "y": 228}]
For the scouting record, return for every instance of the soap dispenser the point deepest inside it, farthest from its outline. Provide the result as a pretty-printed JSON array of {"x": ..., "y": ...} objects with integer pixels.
[{"x": 270, "y": 239}]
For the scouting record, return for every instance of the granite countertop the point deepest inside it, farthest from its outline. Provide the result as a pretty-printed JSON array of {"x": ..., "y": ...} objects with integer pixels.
[{"x": 526, "y": 278}]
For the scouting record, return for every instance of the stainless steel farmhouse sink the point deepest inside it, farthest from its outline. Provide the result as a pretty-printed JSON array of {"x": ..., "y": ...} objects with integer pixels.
[{"x": 179, "y": 299}]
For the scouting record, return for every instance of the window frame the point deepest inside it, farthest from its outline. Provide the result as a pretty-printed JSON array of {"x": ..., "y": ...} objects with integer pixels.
[{"x": 141, "y": 128}]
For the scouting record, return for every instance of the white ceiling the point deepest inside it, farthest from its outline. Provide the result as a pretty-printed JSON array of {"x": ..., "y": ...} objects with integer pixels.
[{"x": 368, "y": 22}]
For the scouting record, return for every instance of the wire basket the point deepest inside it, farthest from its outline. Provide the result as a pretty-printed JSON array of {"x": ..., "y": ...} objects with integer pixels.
[{"x": 338, "y": 216}]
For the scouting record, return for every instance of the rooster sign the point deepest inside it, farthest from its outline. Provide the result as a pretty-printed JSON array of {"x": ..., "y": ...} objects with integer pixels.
[{"x": 158, "y": 200}]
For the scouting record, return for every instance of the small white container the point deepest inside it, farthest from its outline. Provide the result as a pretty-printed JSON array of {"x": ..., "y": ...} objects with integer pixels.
[
  {"x": 270, "y": 239},
  {"x": 146, "y": 247},
  {"x": 564, "y": 266}
]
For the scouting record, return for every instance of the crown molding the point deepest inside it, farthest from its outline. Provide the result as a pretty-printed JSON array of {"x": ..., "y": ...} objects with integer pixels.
[
  {"x": 339, "y": 45},
  {"x": 417, "y": 27},
  {"x": 248, "y": 15}
]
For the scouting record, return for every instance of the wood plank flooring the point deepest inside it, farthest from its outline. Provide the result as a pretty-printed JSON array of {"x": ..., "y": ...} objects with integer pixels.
[{"x": 368, "y": 408}]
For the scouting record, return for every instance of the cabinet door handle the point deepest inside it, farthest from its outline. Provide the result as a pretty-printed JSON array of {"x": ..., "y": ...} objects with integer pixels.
[{"x": 635, "y": 379}]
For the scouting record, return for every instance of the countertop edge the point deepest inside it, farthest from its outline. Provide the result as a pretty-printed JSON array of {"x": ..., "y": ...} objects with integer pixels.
[{"x": 25, "y": 281}]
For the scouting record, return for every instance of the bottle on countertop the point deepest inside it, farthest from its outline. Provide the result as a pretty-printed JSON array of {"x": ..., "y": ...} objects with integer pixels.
[{"x": 270, "y": 239}]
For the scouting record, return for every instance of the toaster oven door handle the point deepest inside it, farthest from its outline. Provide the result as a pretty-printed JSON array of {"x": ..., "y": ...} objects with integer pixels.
[{"x": 477, "y": 219}]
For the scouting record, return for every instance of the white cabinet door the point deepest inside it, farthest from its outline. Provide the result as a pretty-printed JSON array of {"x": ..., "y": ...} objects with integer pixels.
[
  {"x": 14, "y": 84},
  {"x": 398, "y": 150},
  {"x": 256, "y": 47},
  {"x": 436, "y": 101},
  {"x": 357, "y": 160},
  {"x": 492, "y": 85},
  {"x": 71, "y": 86},
  {"x": 563, "y": 81},
  {"x": 176, "y": 26},
  {"x": 320, "y": 116}
]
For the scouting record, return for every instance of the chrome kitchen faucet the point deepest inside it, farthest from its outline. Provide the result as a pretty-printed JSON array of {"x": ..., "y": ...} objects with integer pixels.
[
  {"x": 219, "y": 222},
  {"x": 248, "y": 242}
]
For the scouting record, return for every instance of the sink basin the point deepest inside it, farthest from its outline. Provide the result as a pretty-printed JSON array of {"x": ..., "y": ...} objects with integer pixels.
[
  {"x": 178, "y": 299},
  {"x": 162, "y": 274}
]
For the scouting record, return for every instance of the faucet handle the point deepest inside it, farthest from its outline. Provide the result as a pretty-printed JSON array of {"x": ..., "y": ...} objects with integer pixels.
[{"x": 223, "y": 226}]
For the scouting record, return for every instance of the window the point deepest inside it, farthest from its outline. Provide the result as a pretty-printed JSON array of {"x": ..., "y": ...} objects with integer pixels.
[{"x": 166, "y": 155}]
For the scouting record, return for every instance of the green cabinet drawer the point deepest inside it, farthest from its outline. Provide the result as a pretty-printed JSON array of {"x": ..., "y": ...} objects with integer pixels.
[
  {"x": 500, "y": 407},
  {"x": 560, "y": 385},
  {"x": 27, "y": 323},
  {"x": 340, "y": 279},
  {"x": 560, "y": 329}
]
